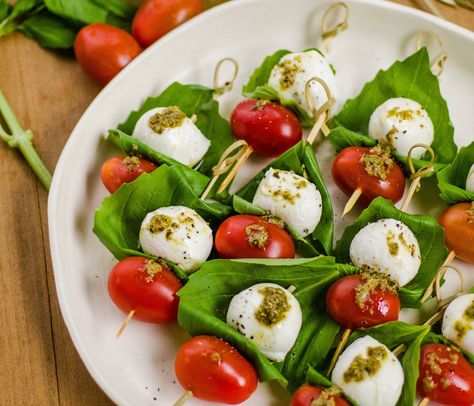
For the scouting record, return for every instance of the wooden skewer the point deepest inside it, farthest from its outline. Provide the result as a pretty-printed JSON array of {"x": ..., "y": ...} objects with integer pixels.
[
  {"x": 183, "y": 399},
  {"x": 424, "y": 402},
  {"x": 235, "y": 169},
  {"x": 125, "y": 323},
  {"x": 411, "y": 192},
  {"x": 340, "y": 347},
  {"x": 431, "y": 286},
  {"x": 401, "y": 348},
  {"x": 431, "y": 7},
  {"x": 352, "y": 201}
]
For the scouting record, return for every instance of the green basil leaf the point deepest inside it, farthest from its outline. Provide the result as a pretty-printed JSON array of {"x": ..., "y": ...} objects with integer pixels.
[
  {"x": 242, "y": 206},
  {"x": 49, "y": 31},
  {"x": 205, "y": 298},
  {"x": 191, "y": 99},
  {"x": 301, "y": 160},
  {"x": 411, "y": 78},
  {"x": 80, "y": 12},
  {"x": 257, "y": 87},
  {"x": 471, "y": 290},
  {"x": 433, "y": 338},
  {"x": 120, "y": 8},
  {"x": 22, "y": 7},
  {"x": 5, "y": 9},
  {"x": 452, "y": 179},
  {"x": 117, "y": 222},
  {"x": 430, "y": 238},
  {"x": 313, "y": 377},
  {"x": 410, "y": 362}
]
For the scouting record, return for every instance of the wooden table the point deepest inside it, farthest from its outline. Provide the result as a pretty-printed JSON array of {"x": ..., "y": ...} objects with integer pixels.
[{"x": 49, "y": 93}]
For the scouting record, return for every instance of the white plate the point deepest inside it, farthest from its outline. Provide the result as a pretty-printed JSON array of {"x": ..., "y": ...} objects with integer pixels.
[{"x": 132, "y": 369}]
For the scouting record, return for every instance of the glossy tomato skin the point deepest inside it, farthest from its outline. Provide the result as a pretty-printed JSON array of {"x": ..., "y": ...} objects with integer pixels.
[
  {"x": 269, "y": 128},
  {"x": 382, "y": 305},
  {"x": 215, "y": 371},
  {"x": 119, "y": 170},
  {"x": 458, "y": 227},
  {"x": 232, "y": 240},
  {"x": 155, "y": 18},
  {"x": 349, "y": 174},
  {"x": 103, "y": 50},
  {"x": 306, "y": 394},
  {"x": 153, "y": 297},
  {"x": 446, "y": 377}
]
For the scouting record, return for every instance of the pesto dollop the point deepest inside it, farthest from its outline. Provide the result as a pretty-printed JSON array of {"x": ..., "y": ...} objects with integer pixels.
[
  {"x": 171, "y": 117},
  {"x": 362, "y": 368},
  {"x": 257, "y": 235},
  {"x": 464, "y": 325},
  {"x": 372, "y": 281},
  {"x": 274, "y": 307},
  {"x": 378, "y": 162}
]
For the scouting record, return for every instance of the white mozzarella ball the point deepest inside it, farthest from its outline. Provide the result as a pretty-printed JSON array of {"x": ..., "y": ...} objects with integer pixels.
[
  {"x": 292, "y": 198},
  {"x": 177, "y": 234},
  {"x": 369, "y": 373},
  {"x": 403, "y": 123},
  {"x": 387, "y": 246},
  {"x": 269, "y": 316},
  {"x": 470, "y": 180},
  {"x": 167, "y": 130},
  {"x": 290, "y": 75},
  {"x": 458, "y": 322}
]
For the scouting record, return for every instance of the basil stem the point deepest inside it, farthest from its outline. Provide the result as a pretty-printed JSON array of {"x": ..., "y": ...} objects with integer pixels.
[{"x": 21, "y": 139}]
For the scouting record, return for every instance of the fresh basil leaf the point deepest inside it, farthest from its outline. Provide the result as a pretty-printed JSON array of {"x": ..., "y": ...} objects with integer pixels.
[
  {"x": 5, "y": 9},
  {"x": 411, "y": 78},
  {"x": 301, "y": 160},
  {"x": 11, "y": 15},
  {"x": 21, "y": 7},
  {"x": 471, "y": 290},
  {"x": 191, "y": 99},
  {"x": 313, "y": 377},
  {"x": 452, "y": 179},
  {"x": 205, "y": 298},
  {"x": 242, "y": 206},
  {"x": 120, "y": 8},
  {"x": 433, "y": 338},
  {"x": 257, "y": 87},
  {"x": 80, "y": 12},
  {"x": 430, "y": 238},
  {"x": 49, "y": 31},
  {"x": 410, "y": 362},
  {"x": 117, "y": 222}
]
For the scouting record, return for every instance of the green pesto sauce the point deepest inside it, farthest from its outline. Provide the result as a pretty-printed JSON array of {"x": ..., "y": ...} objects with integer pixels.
[
  {"x": 362, "y": 368},
  {"x": 170, "y": 118},
  {"x": 274, "y": 308}
]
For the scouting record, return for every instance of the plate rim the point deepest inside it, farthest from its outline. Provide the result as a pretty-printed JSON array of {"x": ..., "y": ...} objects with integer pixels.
[{"x": 54, "y": 200}]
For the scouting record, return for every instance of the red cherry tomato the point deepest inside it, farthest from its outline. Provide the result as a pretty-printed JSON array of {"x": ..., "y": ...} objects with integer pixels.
[
  {"x": 155, "y": 18},
  {"x": 458, "y": 224},
  {"x": 352, "y": 303},
  {"x": 348, "y": 172},
  {"x": 246, "y": 236},
  {"x": 215, "y": 371},
  {"x": 147, "y": 287},
  {"x": 446, "y": 377},
  {"x": 123, "y": 169},
  {"x": 103, "y": 50},
  {"x": 270, "y": 129},
  {"x": 305, "y": 395}
]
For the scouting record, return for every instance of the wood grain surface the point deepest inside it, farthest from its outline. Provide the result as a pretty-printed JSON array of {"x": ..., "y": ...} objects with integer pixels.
[{"x": 49, "y": 93}]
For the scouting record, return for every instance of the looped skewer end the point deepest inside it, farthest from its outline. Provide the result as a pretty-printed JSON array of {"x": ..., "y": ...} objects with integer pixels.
[
  {"x": 417, "y": 175},
  {"x": 320, "y": 115},
  {"x": 431, "y": 286},
  {"x": 437, "y": 64},
  {"x": 219, "y": 89},
  {"x": 225, "y": 163},
  {"x": 327, "y": 33},
  {"x": 439, "y": 276}
]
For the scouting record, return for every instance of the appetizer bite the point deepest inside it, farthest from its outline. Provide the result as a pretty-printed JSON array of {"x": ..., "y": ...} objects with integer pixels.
[
  {"x": 269, "y": 316},
  {"x": 308, "y": 395},
  {"x": 458, "y": 322},
  {"x": 369, "y": 373}
]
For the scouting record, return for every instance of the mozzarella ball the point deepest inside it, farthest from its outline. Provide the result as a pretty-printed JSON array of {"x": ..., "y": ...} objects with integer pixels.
[
  {"x": 458, "y": 322},
  {"x": 470, "y": 180},
  {"x": 387, "y": 246},
  {"x": 177, "y": 234},
  {"x": 290, "y": 75},
  {"x": 168, "y": 131},
  {"x": 292, "y": 198},
  {"x": 269, "y": 316},
  {"x": 369, "y": 373},
  {"x": 403, "y": 123}
]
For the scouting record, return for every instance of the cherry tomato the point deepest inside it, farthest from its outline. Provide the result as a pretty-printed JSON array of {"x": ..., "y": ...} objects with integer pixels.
[
  {"x": 247, "y": 236},
  {"x": 103, "y": 50},
  {"x": 123, "y": 169},
  {"x": 353, "y": 303},
  {"x": 147, "y": 287},
  {"x": 155, "y": 18},
  {"x": 446, "y": 377},
  {"x": 349, "y": 173},
  {"x": 458, "y": 224},
  {"x": 215, "y": 371},
  {"x": 305, "y": 395},
  {"x": 270, "y": 129}
]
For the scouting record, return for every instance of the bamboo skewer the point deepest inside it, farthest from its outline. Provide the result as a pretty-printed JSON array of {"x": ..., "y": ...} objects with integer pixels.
[
  {"x": 184, "y": 398},
  {"x": 125, "y": 323},
  {"x": 339, "y": 349}
]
